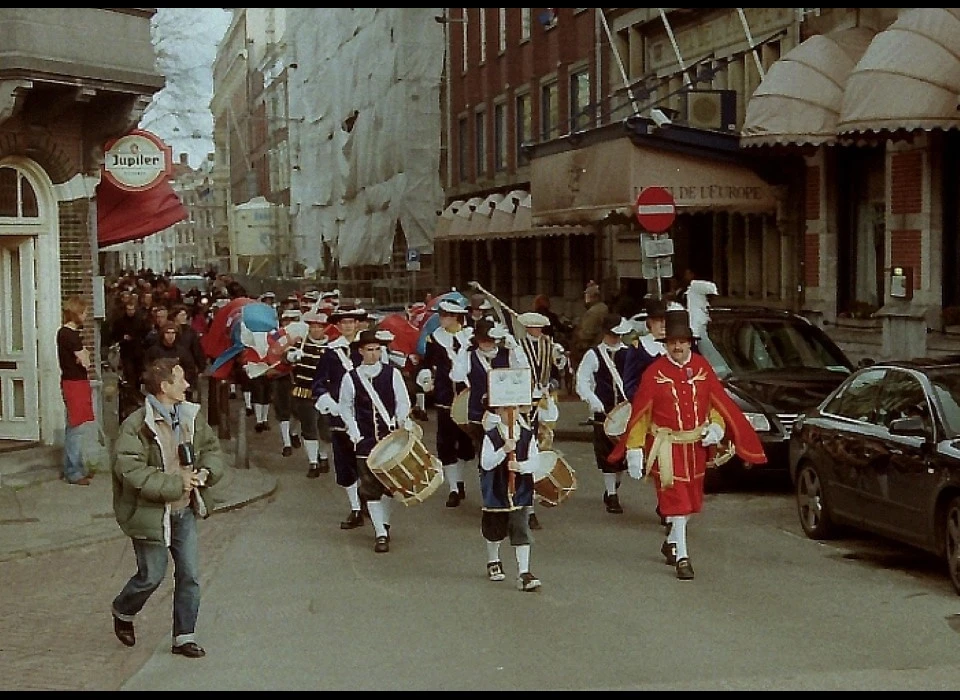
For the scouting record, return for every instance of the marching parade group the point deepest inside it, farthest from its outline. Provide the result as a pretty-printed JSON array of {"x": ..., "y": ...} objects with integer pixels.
[{"x": 657, "y": 408}]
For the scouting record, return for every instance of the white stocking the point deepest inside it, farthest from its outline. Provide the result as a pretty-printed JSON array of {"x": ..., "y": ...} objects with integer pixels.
[
  {"x": 376, "y": 517},
  {"x": 610, "y": 482},
  {"x": 311, "y": 447},
  {"x": 678, "y": 534},
  {"x": 285, "y": 433},
  {"x": 451, "y": 473},
  {"x": 354, "y": 495},
  {"x": 523, "y": 558},
  {"x": 493, "y": 551}
]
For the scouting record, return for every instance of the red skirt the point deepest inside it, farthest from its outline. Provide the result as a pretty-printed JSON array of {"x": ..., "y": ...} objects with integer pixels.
[{"x": 78, "y": 398}]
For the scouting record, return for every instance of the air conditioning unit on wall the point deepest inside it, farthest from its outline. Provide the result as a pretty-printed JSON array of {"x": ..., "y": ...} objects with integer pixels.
[{"x": 711, "y": 109}]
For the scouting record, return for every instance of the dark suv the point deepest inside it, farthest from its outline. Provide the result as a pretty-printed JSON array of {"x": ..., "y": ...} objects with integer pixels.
[{"x": 775, "y": 364}]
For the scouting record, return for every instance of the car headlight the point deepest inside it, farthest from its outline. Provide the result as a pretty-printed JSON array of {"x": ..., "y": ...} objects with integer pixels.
[{"x": 758, "y": 421}]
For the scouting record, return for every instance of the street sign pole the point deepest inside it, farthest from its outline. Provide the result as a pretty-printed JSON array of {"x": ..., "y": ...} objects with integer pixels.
[{"x": 656, "y": 212}]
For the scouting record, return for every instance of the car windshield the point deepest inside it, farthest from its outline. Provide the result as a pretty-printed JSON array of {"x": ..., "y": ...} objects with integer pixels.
[
  {"x": 946, "y": 386},
  {"x": 739, "y": 345}
]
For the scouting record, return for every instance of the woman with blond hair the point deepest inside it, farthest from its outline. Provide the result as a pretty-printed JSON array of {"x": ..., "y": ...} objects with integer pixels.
[{"x": 75, "y": 384}]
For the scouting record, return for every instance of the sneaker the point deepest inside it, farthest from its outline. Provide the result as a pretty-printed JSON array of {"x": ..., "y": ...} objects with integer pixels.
[
  {"x": 527, "y": 582},
  {"x": 324, "y": 465},
  {"x": 124, "y": 631},
  {"x": 287, "y": 450},
  {"x": 495, "y": 571},
  {"x": 535, "y": 522},
  {"x": 684, "y": 570},
  {"x": 669, "y": 552},
  {"x": 82, "y": 481},
  {"x": 613, "y": 504},
  {"x": 296, "y": 441},
  {"x": 314, "y": 471}
]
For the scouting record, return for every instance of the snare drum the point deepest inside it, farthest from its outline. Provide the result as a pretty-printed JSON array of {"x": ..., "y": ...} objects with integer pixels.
[
  {"x": 459, "y": 408},
  {"x": 401, "y": 462},
  {"x": 558, "y": 485},
  {"x": 617, "y": 420}
]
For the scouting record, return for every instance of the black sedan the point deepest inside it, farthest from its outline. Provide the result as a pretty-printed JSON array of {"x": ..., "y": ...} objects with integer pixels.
[
  {"x": 882, "y": 454},
  {"x": 774, "y": 364}
]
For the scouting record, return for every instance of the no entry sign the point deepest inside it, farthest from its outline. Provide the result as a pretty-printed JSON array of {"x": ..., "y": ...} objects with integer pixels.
[{"x": 656, "y": 209}]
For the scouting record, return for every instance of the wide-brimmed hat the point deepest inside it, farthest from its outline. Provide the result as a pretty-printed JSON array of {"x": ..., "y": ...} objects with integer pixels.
[
  {"x": 486, "y": 329},
  {"x": 616, "y": 324},
  {"x": 291, "y": 313},
  {"x": 314, "y": 317},
  {"x": 678, "y": 326},
  {"x": 343, "y": 312},
  {"x": 655, "y": 308},
  {"x": 532, "y": 319},
  {"x": 451, "y": 307},
  {"x": 368, "y": 337}
]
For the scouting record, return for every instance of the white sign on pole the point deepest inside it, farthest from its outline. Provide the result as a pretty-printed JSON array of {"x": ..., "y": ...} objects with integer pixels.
[{"x": 509, "y": 387}]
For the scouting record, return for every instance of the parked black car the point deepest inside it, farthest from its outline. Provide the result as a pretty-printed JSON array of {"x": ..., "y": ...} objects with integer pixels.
[
  {"x": 882, "y": 454},
  {"x": 775, "y": 364}
]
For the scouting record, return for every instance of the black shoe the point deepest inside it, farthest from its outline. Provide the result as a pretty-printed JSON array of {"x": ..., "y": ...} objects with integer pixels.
[
  {"x": 453, "y": 500},
  {"x": 124, "y": 631},
  {"x": 260, "y": 427},
  {"x": 669, "y": 552},
  {"x": 191, "y": 650},
  {"x": 355, "y": 519},
  {"x": 420, "y": 415},
  {"x": 287, "y": 451},
  {"x": 296, "y": 441},
  {"x": 249, "y": 411},
  {"x": 324, "y": 465},
  {"x": 461, "y": 491},
  {"x": 266, "y": 426},
  {"x": 313, "y": 472},
  {"x": 535, "y": 522},
  {"x": 606, "y": 498},
  {"x": 613, "y": 504},
  {"x": 363, "y": 506},
  {"x": 386, "y": 525},
  {"x": 382, "y": 545},
  {"x": 684, "y": 570}
]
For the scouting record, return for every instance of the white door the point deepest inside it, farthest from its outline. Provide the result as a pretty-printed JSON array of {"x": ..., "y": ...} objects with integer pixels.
[{"x": 19, "y": 374}]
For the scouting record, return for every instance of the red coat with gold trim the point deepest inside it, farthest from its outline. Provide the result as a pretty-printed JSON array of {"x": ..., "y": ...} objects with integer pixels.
[{"x": 685, "y": 398}]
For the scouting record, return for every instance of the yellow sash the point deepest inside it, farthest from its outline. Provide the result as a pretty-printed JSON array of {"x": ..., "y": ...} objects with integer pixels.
[{"x": 662, "y": 449}]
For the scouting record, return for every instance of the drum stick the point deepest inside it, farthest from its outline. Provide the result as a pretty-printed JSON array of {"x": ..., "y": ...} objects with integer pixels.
[{"x": 511, "y": 455}]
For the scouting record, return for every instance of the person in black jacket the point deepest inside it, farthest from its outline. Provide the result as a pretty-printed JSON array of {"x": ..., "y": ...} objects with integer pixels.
[
  {"x": 169, "y": 345},
  {"x": 189, "y": 339}
]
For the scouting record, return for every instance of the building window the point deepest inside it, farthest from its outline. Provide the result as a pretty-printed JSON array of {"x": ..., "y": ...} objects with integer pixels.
[
  {"x": 481, "y": 128},
  {"x": 549, "y": 111},
  {"x": 524, "y": 24},
  {"x": 464, "y": 135},
  {"x": 501, "y": 29},
  {"x": 524, "y": 126},
  {"x": 581, "y": 112},
  {"x": 463, "y": 37},
  {"x": 499, "y": 137},
  {"x": 482, "y": 24}
]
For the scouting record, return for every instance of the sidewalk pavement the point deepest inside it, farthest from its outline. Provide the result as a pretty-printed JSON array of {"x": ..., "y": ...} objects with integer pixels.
[{"x": 50, "y": 515}]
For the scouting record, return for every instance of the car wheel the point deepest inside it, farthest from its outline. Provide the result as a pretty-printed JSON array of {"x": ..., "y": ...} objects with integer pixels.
[
  {"x": 812, "y": 506},
  {"x": 951, "y": 540}
]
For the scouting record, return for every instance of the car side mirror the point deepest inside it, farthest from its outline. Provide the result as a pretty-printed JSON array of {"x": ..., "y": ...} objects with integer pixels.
[
  {"x": 912, "y": 426},
  {"x": 865, "y": 362}
]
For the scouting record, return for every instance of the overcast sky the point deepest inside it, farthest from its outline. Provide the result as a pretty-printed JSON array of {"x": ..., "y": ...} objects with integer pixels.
[{"x": 186, "y": 41}]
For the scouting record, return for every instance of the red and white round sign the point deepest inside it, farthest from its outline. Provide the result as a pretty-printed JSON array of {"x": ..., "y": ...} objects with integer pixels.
[
  {"x": 137, "y": 161},
  {"x": 656, "y": 209}
]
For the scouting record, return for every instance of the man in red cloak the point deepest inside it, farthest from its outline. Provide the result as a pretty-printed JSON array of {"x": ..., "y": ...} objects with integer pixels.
[{"x": 680, "y": 413}]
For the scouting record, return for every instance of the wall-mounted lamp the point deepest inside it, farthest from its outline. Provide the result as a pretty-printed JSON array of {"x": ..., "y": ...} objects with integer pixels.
[{"x": 660, "y": 117}]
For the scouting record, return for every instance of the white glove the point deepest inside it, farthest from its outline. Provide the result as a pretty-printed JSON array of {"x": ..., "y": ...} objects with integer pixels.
[
  {"x": 635, "y": 462},
  {"x": 559, "y": 356},
  {"x": 410, "y": 425},
  {"x": 510, "y": 343},
  {"x": 294, "y": 355},
  {"x": 327, "y": 406},
  {"x": 354, "y": 436},
  {"x": 425, "y": 380},
  {"x": 712, "y": 435}
]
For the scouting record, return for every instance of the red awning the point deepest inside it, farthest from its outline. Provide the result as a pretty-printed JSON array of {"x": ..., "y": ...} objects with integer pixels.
[{"x": 128, "y": 216}]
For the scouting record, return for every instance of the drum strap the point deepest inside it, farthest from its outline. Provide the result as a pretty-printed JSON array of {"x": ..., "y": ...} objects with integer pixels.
[
  {"x": 618, "y": 382},
  {"x": 377, "y": 402},
  {"x": 662, "y": 449}
]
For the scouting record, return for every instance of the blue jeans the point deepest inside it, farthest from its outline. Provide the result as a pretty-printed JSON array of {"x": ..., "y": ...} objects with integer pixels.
[
  {"x": 73, "y": 453},
  {"x": 152, "y": 567}
]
